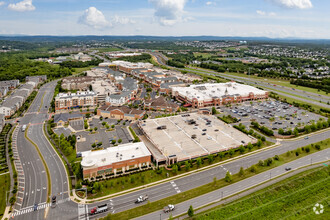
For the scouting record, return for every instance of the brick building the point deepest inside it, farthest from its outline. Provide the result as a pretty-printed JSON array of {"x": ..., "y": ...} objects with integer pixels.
[
  {"x": 120, "y": 112},
  {"x": 115, "y": 160},
  {"x": 75, "y": 100},
  {"x": 216, "y": 94}
]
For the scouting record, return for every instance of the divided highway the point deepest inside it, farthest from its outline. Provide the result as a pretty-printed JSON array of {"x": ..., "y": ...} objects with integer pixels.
[
  {"x": 35, "y": 183},
  {"x": 237, "y": 187},
  {"x": 125, "y": 202},
  {"x": 36, "y": 180}
]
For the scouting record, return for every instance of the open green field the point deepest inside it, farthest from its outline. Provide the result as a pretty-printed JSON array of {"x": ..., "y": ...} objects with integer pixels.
[
  {"x": 292, "y": 198},
  {"x": 217, "y": 184},
  {"x": 204, "y": 55},
  {"x": 109, "y": 49},
  {"x": 4, "y": 187},
  {"x": 80, "y": 70}
]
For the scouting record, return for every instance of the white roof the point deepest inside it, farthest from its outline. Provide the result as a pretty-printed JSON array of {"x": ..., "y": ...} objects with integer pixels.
[
  {"x": 92, "y": 159},
  {"x": 209, "y": 90}
]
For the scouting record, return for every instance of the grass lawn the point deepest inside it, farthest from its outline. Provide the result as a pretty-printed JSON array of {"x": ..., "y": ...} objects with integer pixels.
[
  {"x": 80, "y": 70},
  {"x": 119, "y": 184},
  {"x": 183, "y": 196},
  {"x": 4, "y": 187},
  {"x": 292, "y": 198}
]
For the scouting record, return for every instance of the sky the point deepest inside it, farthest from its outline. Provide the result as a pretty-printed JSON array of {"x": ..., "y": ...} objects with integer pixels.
[{"x": 309, "y": 19}]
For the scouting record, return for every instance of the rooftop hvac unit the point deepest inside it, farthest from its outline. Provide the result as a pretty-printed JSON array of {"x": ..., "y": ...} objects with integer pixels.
[
  {"x": 121, "y": 155},
  {"x": 104, "y": 159},
  {"x": 133, "y": 156},
  {"x": 120, "y": 158},
  {"x": 136, "y": 148}
]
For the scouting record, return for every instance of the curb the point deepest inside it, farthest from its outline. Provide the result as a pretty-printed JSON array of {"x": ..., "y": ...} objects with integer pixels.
[{"x": 177, "y": 177}]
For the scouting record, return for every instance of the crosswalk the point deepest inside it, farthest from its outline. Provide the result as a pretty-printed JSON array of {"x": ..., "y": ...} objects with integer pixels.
[
  {"x": 83, "y": 212},
  {"x": 175, "y": 187},
  {"x": 40, "y": 207}
]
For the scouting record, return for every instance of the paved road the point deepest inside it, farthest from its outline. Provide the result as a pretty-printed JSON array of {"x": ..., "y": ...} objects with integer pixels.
[
  {"x": 234, "y": 188},
  {"x": 167, "y": 189},
  {"x": 278, "y": 89},
  {"x": 69, "y": 210},
  {"x": 35, "y": 175}
]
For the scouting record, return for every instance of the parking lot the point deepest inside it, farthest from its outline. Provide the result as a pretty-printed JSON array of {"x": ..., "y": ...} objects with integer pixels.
[
  {"x": 192, "y": 135},
  {"x": 101, "y": 135},
  {"x": 271, "y": 114},
  {"x": 77, "y": 125}
]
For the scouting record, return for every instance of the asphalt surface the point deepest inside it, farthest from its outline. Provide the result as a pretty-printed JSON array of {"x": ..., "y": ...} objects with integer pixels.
[
  {"x": 271, "y": 87},
  {"x": 35, "y": 175},
  {"x": 234, "y": 188},
  {"x": 125, "y": 202},
  {"x": 66, "y": 209}
]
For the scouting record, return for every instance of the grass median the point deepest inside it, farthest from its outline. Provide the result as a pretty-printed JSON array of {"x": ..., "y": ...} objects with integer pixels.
[
  {"x": 265, "y": 165},
  {"x": 292, "y": 198},
  {"x": 4, "y": 191},
  {"x": 49, "y": 190}
]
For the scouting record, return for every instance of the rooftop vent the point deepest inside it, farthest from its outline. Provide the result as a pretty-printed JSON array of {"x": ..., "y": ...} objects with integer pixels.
[
  {"x": 136, "y": 148},
  {"x": 104, "y": 159},
  {"x": 133, "y": 156}
]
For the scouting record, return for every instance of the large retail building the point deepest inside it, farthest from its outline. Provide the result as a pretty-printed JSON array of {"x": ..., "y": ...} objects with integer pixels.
[
  {"x": 115, "y": 160},
  {"x": 216, "y": 94}
]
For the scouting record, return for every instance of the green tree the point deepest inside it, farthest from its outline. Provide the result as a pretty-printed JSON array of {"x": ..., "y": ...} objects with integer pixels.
[
  {"x": 253, "y": 169},
  {"x": 175, "y": 169},
  {"x": 187, "y": 165},
  {"x": 214, "y": 111},
  {"x": 241, "y": 171},
  {"x": 191, "y": 211},
  {"x": 199, "y": 162},
  {"x": 120, "y": 140},
  {"x": 228, "y": 177}
]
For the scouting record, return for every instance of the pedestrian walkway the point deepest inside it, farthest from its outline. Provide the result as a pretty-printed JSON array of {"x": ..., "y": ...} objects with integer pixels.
[{"x": 39, "y": 207}]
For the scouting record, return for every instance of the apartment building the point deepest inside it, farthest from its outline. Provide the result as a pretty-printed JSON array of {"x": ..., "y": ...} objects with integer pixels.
[{"x": 75, "y": 100}]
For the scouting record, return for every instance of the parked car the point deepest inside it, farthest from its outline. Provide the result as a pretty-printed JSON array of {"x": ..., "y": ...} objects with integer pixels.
[{"x": 287, "y": 168}]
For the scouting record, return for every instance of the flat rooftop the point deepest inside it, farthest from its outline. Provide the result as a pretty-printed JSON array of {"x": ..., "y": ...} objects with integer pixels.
[
  {"x": 176, "y": 139},
  {"x": 210, "y": 90},
  {"x": 93, "y": 159}
]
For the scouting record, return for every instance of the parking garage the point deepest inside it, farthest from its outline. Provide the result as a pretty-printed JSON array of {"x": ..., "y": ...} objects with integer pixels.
[{"x": 190, "y": 136}]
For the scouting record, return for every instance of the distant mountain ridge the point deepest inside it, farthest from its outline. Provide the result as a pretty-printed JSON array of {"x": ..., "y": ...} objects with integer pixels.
[{"x": 50, "y": 38}]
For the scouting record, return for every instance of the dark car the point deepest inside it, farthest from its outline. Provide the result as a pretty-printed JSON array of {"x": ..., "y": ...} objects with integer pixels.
[
  {"x": 287, "y": 168},
  {"x": 35, "y": 207},
  {"x": 204, "y": 129},
  {"x": 203, "y": 133}
]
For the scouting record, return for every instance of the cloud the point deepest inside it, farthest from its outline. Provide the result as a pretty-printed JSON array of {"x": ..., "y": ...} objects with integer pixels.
[
  {"x": 297, "y": 4},
  {"x": 2, "y": 3},
  {"x": 210, "y": 3},
  {"x": 169, "y": 12},
  {"x": 25, "y": 5},
  {"x": 263, "y": 13},
  {"x": 94, "y": 18},
  {"x": 122, "y": 20}
]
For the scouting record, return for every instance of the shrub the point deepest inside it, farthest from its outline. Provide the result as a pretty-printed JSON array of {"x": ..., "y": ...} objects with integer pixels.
[
  {"x": 228, "y": 177},
  {"x": 253, "y": 169}
]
